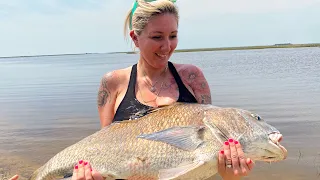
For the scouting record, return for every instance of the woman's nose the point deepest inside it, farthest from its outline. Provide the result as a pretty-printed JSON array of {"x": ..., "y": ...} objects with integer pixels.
[{"x": 166, "y": 45}]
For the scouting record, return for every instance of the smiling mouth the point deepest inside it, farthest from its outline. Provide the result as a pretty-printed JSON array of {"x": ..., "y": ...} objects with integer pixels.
[{"x": 161, "y": 55}]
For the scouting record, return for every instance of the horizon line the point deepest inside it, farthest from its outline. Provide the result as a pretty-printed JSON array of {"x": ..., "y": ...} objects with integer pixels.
[{"x": 277, "y": 45}]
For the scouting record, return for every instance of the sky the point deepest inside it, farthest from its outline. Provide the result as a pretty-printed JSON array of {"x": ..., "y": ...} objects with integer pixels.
[{"x": 42, "y": 27}]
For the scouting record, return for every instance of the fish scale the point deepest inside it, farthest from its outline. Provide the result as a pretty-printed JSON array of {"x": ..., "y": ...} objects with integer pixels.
[{"x": 178, "y": 141}]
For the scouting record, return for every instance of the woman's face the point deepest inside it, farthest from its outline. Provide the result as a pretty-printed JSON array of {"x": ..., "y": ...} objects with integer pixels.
[{"x": 158, "y": 40}]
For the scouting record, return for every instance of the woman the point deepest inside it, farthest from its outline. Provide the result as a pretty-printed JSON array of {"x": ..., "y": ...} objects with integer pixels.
[{"x": 155, "y": 81}]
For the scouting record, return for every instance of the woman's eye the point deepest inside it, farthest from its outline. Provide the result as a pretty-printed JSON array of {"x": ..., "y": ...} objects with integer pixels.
[{"x": 160, "y": 37}]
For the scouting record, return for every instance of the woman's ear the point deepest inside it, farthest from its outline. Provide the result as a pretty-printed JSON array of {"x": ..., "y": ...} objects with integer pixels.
[{"x": 134, "y": 38}]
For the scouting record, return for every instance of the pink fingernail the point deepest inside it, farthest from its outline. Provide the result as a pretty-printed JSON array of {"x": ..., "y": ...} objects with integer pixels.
[
  {"x": 222, "y": 152},
  {"x": 236, "y": 142},
  {"x": 85, "y": 163},
  {"x": 230, "y": 140},
  {"x": 80, "y": 162},
  {"x": 90, "y": 169},
  {"x": 76, "y": 167},
  {"x": 226, "y": 143}
]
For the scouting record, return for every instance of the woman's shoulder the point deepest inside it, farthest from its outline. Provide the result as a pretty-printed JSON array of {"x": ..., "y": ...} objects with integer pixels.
[
  {"x": 188, "y": 70},
  {"x": 115, "y": 78},
  {"x": 118, "y": 73},
  {"x": 193, "y": 77}
]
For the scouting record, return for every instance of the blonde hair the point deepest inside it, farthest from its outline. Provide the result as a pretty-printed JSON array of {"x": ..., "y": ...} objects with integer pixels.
[{"x": 145, "y": 11}]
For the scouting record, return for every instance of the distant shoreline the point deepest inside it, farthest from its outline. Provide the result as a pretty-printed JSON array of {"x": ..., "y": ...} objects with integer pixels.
[
  {"x": 251, "y": 47},
  {"x": 75, "y": 54},
  {"x": 286, "y": 45}
]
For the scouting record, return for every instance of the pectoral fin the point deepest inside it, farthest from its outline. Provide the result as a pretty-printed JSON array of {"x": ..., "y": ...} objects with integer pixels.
[
  {"x": 178, "y": 172},
  {"x": 218, "y": 133},
  {"x": 187, "y": 138}
]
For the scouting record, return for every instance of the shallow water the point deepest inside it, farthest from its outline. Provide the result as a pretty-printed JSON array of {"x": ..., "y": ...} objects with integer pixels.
[{"x": 49, "y": 102}]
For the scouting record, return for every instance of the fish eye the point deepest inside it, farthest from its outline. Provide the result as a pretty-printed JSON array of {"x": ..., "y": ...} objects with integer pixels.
[{"x": 256, "y": 116}]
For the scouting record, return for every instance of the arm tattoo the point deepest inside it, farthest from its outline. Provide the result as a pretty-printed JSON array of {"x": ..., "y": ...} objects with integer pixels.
[
  {"x": 205, "y": 99},
  {"x": 206, "y": 96},
  {"x": 199, "y": 85},
  {"x": 104, "y": 95},
  {"x": 192, "y": 76},
  {"x": 204, "y": 85}
]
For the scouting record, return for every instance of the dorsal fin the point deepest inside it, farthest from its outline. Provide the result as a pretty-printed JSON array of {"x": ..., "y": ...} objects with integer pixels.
[
  {"x": 155, "y": 109},
  {"x": 151, "y": 110}
]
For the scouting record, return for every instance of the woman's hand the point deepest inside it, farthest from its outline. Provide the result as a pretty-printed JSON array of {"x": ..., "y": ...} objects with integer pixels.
[
  {"x": 84, "y": 171},
  {"x": 15, "y": 177},
  {"x": 231, "y": 163}
]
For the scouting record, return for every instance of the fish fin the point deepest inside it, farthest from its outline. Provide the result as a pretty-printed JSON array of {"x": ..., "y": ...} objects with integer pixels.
[
  {"x": 221, "y": 137},
  {"x": 135, "y": 116},
  {"x": 154, "y": 109},
  {"x": 173, "y": 173},
  {"x": 186, "y": 138},
  {"x": 150, "y": 110}
]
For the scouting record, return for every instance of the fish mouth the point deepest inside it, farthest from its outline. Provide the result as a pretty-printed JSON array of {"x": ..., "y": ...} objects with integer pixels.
[{"x": 276, "y": 152}]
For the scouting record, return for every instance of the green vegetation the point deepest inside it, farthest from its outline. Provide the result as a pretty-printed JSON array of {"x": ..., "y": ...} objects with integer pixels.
[{"x": 286, "y": 45}]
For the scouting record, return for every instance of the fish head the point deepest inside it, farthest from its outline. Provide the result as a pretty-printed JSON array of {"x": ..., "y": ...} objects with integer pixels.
[{"x": 260, "y": 141}]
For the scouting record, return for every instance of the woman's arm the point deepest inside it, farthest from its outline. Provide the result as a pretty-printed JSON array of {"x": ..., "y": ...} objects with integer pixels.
[
  {"x": 15, "y": 177},
  {"x": 194, "y": 78},
  {"x": 106, "y": 99},
  {"x": 232, "y": 150}
]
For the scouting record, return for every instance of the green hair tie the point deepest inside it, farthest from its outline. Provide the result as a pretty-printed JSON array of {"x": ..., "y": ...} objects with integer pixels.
[{"x": 135, "y": 5}]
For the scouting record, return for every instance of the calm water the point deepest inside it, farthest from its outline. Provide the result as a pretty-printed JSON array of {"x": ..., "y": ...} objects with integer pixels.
[{"x": 48, "y": 103}]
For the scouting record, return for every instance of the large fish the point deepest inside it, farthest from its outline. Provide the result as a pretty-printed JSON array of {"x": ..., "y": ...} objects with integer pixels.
[{"x": 179, "y": 141}]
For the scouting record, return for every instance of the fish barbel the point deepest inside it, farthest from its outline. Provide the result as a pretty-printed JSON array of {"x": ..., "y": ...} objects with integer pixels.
[{"x": 178, "y": 141}]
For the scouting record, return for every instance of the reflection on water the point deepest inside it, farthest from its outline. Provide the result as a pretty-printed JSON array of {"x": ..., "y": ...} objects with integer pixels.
[{"x": 48, "y": 103}]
